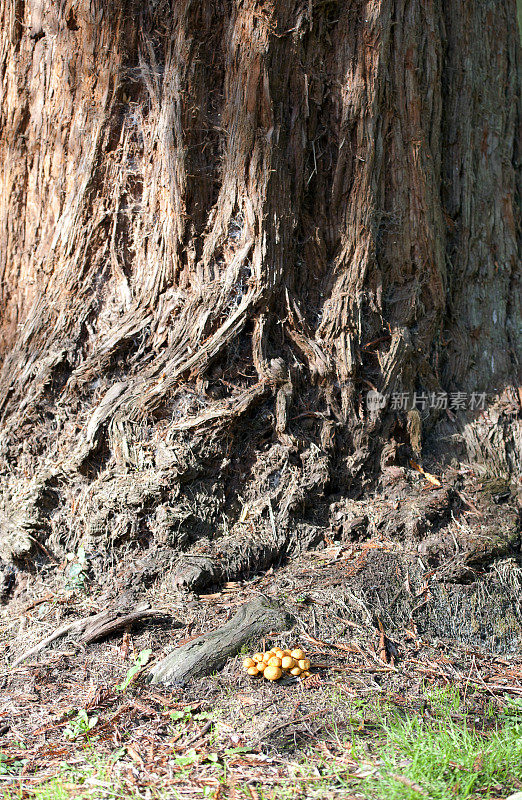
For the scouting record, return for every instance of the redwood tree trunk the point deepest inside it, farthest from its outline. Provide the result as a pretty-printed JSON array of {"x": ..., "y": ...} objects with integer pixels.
[{"x": 222, "y": 224}]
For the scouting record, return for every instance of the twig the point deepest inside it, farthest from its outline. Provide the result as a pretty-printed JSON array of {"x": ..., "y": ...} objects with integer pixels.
[
  {"x": 272, "y": 520},
  {"x": 206, "y": 727},
  {"x": 43, "y": 549},
  {"x": 294, "y": 721},
  {"x": 469, "y": 503},
  {"x": 407, "y": 782},
  {"x": 469, "y": 677},
  {"x": 481, "y": 679}
]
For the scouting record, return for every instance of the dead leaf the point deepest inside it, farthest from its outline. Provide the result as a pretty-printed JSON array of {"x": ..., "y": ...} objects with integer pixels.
[
  {"x": 162, "y": 699},
  {"x": 131, "y": 750},
  {"x": 365, "y": 771},
  {"x": 429, "y": 477},
  {"x": 383, "y": 655},
  {"x": 125, "y": 646}
]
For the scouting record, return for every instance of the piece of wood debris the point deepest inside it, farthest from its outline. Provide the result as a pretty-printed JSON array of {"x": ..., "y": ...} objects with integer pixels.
[{"x": 97, "y": 626}]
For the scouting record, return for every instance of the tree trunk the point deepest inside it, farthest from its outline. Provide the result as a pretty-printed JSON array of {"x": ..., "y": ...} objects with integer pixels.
[{"x": 225, "y": 222}]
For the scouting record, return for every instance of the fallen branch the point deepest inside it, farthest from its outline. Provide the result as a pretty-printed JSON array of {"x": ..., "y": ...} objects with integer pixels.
[
  {"x": 99, "y": 629},
  {"x": 96, "y": 627}
]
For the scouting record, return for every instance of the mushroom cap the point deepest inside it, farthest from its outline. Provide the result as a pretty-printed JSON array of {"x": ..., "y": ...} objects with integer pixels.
[
  {"x": 298, "y": 654},
  {"x": 249, "y": 662},
  {"x": 253, "y": 671},
  {"x": 273, "y": 673},
  {"x": 287, "y": 652},
  {"x": 258, "y": 656},
  {"x": 268, "y": 655},
  {"x": 304, "y": 663},
  {"x": 275, "y": 661},
  {"x": 287, "y": 662},
  {"x": 295, "y": 671}
]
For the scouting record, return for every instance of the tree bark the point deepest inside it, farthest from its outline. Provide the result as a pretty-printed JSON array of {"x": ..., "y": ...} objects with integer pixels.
[{"x": 222, "y": 224}]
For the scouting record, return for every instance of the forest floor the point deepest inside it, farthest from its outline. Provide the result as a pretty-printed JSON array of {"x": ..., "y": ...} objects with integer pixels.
[{"x": 433, "y": 720}]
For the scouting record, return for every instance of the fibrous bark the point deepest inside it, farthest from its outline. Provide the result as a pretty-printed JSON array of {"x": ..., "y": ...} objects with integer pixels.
[{"x": 224, "y": 222}]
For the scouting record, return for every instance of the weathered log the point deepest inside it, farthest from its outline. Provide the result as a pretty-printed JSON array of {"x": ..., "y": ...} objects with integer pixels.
[{"x": 209, "y": 652}]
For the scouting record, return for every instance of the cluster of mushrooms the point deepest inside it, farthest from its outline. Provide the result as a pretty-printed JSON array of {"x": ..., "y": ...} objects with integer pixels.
[{"x": 273, "y": 664}]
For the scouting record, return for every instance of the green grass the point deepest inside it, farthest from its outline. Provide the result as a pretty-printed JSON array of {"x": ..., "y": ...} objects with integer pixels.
[
  {"x": 443, "y": 755},
  {"x": 448, "y": 758},
  {"x": 379, "y": 751},
  {"x": 86, "y": 781}
]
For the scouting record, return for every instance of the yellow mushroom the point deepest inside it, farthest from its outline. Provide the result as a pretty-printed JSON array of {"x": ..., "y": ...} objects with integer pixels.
[
  {"x": 304, "y": 663},
  {"x": 274, "y": 662},
  {"x": 258, "y": 656},
  {"x": 249, "y": 662},
  {"x": 268, "y": 655},
  {"x": 287, "y": 662},
  {"x": 273, "y": 673},
  {"x": 253, "y": 671},
  {"x": 295, "y": 671},
  {"x": 298, "y": 654}
]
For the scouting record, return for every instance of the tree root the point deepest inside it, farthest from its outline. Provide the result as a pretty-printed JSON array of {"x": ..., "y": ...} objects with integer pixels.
[
  {"x": 209, "y": 652},
  {"x": 241, "y": 554}
]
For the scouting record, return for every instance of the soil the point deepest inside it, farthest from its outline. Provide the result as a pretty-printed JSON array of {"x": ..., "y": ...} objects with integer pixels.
[{"x": 402, "y": 592}]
